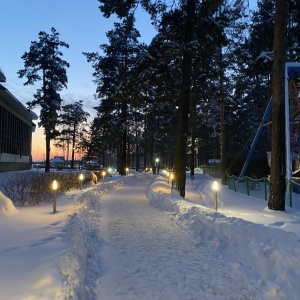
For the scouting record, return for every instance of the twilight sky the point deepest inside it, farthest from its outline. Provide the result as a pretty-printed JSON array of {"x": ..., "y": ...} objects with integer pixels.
[{"x": 80, "y": 24}]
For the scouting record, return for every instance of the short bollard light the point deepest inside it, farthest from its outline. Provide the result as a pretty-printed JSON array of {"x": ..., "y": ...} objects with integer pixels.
[
  {"x": 103, "y": 174},
  {"x": 81, "y": 179},
  {"x": 127, "y": 170},
  {"x": 54, "y": 187},
  {"x": 215, "y": 187}
]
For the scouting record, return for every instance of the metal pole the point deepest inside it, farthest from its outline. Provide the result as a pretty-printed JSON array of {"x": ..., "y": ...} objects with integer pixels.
[
  {"x": 287, "y": 132},
  {"x": 216, "y": 201},
  {"x": 257, "y": 136},
  {"x": 54, "y": 202}
]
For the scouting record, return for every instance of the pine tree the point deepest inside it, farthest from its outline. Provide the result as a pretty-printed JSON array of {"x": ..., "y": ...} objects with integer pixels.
[
  {"x": 112, "y": 76},
  {"x": 43, "y": 63},
  {"x": 73, "y": 117}
]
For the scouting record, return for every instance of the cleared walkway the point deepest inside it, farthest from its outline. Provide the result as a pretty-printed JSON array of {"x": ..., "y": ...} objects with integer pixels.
[{"x": 145, "y": 255}]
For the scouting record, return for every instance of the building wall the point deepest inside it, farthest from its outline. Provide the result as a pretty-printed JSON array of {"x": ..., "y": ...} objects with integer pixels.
[
  {"x": 15, "y": 142},
  {"x": 15, "y": 133}
]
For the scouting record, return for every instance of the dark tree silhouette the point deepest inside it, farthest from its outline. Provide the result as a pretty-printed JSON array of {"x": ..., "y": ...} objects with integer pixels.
[{"x": 43, "y": 63}]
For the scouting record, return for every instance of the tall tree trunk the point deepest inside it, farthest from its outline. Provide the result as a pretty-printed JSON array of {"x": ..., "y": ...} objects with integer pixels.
[
  {"x": 184, "y": 105},
  {"x": 222, "y": 121},
  {"x": 223, "y": 142},
  {"x": 278, "y": 184},
  {"x": 47, "y": 163},
  {"x": 151, "y": 154},
  {"x": 192, "y": 159},
  {"x": 73, "y": 146},
  {"x": 123, "y": 158},
  {"x": 123, "y": 164},
  {"x": 128, "y": 156},
  {"x": 137, "y": 161},
  {"x": 145, "y": 142},
  {"x": 119, "y": 154}
]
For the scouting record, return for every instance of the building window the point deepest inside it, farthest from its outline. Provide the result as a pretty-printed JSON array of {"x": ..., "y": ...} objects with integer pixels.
[{"x": 15, "y": 135}]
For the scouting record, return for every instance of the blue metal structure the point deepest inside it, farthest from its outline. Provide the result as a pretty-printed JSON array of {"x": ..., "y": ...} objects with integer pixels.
[
  {"x": 290, "y": 69},
  {"x": 257, "y": 136}
]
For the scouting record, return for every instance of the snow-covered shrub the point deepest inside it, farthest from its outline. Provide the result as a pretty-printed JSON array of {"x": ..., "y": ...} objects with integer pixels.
[
  {"x": 28, "y": 189},
  {"x": 32, "y": 188}
]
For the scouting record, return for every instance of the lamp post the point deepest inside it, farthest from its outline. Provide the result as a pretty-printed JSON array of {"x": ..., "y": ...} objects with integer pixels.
[
  {"x": 215, "y": 187},
  {"x": 54, "y": 187},
  {"x": 103, "y": 174},
  {"x": 80, "y": 179}
]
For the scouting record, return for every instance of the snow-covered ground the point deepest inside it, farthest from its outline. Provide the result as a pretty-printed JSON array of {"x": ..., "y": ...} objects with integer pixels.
[{"x": 133, "y": 238}]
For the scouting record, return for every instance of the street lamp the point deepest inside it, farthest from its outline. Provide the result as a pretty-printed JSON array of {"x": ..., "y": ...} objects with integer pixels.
[
  {"x": 54, "y": 187},
  {"x": 215, "y": 188},
  {"x": 81, "y": 178},
  {"x": 103, "y": 174}
]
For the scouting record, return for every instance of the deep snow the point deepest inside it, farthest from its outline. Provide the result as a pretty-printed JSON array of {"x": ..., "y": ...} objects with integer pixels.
[{"x": 132, "y": 238}]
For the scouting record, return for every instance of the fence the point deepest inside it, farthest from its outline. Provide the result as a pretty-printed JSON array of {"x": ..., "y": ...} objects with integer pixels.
[
  {"x": 213, "y": 170},
  {"x": 260, "y": 188}
]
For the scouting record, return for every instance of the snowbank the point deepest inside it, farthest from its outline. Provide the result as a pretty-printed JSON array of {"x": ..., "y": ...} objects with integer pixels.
[
  {"x": 7, "y": 208},
  {"x": 269, "y": 256},
  {"x": 78, "y": 265}
]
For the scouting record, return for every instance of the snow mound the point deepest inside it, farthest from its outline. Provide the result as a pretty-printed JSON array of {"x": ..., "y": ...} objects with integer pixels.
[
  {"x": 6, "y": 206},
  {"x": 269, "y": 256},
  {"x": 79, "y": 266}
]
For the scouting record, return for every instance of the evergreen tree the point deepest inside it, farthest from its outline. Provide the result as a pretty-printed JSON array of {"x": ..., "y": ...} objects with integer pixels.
[
  {"x": 43, "y": 63},
  {"x": 112, "y": 76},
  {"x": 174, "y": 35},
  {"x": 73, "y": 117}
]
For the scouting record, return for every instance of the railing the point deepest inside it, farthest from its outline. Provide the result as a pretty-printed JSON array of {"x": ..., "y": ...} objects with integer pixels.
[{"x": 260, "y": 188}]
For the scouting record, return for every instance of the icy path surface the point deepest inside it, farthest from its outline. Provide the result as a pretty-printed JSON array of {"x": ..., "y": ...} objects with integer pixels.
[{"x": 145, "y": 255}]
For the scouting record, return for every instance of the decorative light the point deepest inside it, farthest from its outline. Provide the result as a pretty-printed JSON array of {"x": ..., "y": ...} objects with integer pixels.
[
  {"x": 215, "y": 187},
  {"x": 81, "y": 178},
  {"x": 54, "y": 187}
]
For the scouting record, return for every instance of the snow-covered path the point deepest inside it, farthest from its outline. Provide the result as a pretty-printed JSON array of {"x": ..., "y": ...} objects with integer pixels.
[{"x": 146, "y": 255}]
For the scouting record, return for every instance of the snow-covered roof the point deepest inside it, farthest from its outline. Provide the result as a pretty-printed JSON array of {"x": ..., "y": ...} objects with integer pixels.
[
  {"x": 57, "y": 160},
  {"x": 11, "y": 103}
]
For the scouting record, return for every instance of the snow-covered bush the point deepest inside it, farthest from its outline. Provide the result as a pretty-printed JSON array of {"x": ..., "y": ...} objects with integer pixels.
[{"x": 32, "y": 188}]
